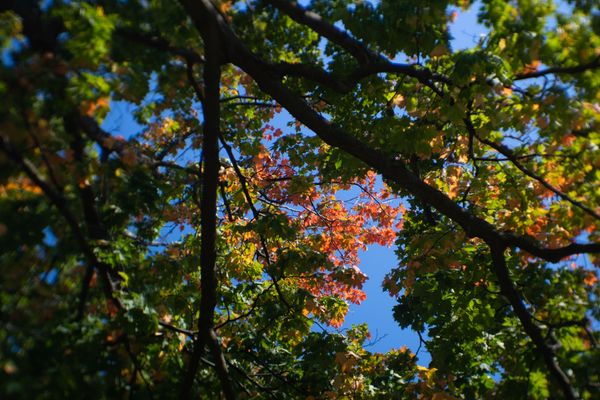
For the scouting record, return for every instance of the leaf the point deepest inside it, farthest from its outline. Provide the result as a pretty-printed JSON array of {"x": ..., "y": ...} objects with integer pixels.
[{"x": 439, "y": 51}]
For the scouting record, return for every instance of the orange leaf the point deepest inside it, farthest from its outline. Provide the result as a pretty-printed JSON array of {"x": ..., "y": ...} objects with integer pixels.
[{"x": 439, "y": 50}]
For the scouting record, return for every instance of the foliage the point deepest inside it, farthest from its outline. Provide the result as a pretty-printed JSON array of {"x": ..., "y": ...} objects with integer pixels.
[{"x": 214, "y": 251}]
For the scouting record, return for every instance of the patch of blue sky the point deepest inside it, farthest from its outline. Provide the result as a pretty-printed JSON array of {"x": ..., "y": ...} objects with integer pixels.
[{"x": 466, "y": 31}]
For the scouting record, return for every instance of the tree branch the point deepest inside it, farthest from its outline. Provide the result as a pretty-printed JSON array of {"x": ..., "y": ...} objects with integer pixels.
[
  {"x": 346, "y": 84},
  {"x": 370, "y": 62},
  {"x": 314, "y": 21},
  {"x": 208, "y": 217},
  {"x": 508, "y": 153},
  {"x": 60, "y": 203},
  {"x": 595, "y": 63},
  {"x": 255, "y": 214},
  {"x": 155, "y": 41},
  {"x": 92, "y": 220},
  {"x": 533, "y": 331}
]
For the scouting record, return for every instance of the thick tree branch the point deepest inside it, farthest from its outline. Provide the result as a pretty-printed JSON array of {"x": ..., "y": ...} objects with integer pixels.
[
  {"x": 595, "y": 63},
  {"x": 314, "y": 21},
  {"x": 346, "y": 84},
  {"x": 533, "y": 331},
  {"x": 423, "y": 75},
  {"x": 208, "y": 218},
  {"x": 370, "y": 62},
  {"x": 548, "y": 254},
  {"x": 244, "y": 183},
  {"x": 313, "y": 73}
]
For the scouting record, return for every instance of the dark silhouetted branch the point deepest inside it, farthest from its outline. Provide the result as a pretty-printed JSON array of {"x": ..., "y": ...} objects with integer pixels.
[
  {"x": 208, "y": 217},
  {"x": 533, "y": 331},
  {"x": 576, "y": 69}
]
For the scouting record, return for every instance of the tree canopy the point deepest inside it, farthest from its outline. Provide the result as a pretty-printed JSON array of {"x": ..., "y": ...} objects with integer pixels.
[{"x": 214, "y": 252}]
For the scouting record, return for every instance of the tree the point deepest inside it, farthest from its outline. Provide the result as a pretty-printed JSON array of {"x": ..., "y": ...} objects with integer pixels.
[{"x": 202, "y": 256}]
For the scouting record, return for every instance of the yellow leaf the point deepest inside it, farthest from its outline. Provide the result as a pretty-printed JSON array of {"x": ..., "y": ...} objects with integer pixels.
[
  {"x": 346, "y": 360},
  {"x": 502, "y": 44},
  {"x": 398, "y": 100},
  {"x": 426, "y": 373}
]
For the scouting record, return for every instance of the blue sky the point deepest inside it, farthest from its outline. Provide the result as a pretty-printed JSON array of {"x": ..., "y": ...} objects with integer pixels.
[{"x": 376, "y": 310}]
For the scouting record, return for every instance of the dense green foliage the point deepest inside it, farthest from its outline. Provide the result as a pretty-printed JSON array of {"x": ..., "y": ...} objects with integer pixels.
[{"x": 208, "y": 245}]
